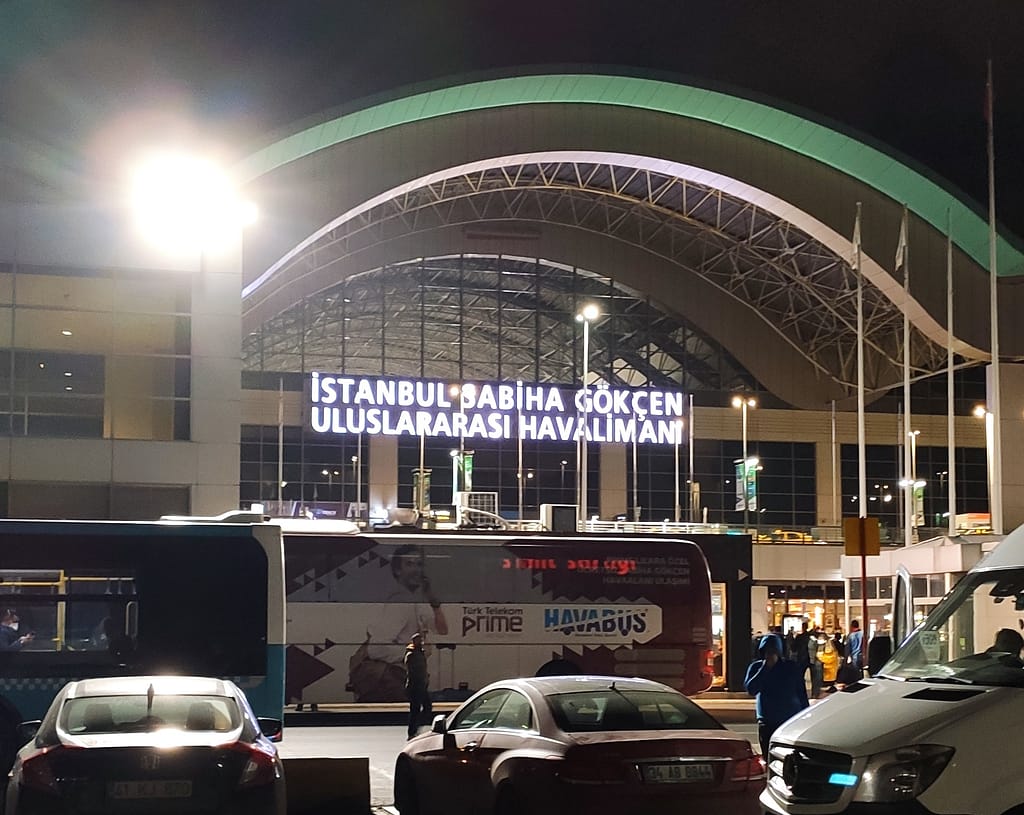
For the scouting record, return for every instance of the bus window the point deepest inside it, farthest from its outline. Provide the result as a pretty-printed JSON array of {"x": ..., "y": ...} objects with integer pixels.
[{"x": 111, "y": 598}]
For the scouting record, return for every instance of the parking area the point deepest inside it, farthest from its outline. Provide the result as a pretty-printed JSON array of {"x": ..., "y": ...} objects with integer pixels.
[{"x": 324, "y": 757}]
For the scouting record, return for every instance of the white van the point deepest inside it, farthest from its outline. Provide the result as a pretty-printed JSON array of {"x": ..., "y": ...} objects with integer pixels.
[{"x": 939, "y": 729}]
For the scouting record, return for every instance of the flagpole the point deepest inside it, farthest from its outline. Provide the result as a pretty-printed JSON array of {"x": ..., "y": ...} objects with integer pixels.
[
  {"x": 908, "y": 486},
  {"x": 693, "y": 508},
  {"x": 837, "y": 518},
  {"x": 951, "y": 424},
  {"x": 862, "y": 486},
  {"x": 996, "y": 498},
  {"x": 280, "y": 446}
]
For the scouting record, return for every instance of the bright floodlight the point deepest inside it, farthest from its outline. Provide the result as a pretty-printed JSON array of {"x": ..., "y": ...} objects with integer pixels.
[
  {"x": 589, "y": 313},
  {"x": 186, "y": 203},
  {"x": 980, "y": 411}
]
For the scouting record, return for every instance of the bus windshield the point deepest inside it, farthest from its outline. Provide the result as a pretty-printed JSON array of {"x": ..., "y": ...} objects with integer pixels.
[{"x": 973, "y": 637}]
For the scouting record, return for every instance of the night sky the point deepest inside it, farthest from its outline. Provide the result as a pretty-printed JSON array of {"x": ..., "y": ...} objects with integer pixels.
[{"x": 83, "y": 82}]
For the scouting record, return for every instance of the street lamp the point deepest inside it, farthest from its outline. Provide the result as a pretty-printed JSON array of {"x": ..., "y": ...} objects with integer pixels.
[
  {"x": 942, "y": 476},
  {"x": 995, "y": 508},
  {"x": 561, "y": 490},
  {"x": 357, "y": 476},
  {"x": 330, "y": 480},
  {"x": 455, "y": 473},
  {"x": 587, "y": 315},
  {"x": 678, "y": 435},
  {"x": 744, "y": 402}
]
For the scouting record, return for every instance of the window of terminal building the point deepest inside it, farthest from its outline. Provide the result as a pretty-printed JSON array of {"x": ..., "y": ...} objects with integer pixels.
[
  {"x": 94, "y": 354},
  {"x": 885, "y": 495}
]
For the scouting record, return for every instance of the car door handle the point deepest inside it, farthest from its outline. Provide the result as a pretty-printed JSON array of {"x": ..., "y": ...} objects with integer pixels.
[{"x": 470, "y": 746}]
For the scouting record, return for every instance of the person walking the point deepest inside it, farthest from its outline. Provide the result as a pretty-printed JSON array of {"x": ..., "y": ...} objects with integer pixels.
[
  {"x": 778, "y": 686},
  {"x": 855, "y": 645},
  {"x": 417, "y": 682},
  {"x": 800, "y": 653},
  {"x": 815, "y": 642}
]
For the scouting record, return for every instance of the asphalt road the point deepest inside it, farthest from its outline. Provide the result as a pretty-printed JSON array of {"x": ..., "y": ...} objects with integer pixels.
[{"x": 382, "y": 744}]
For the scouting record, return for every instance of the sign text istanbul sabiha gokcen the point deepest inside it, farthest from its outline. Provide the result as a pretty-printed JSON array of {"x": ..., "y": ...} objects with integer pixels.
[{"x": 488, "y": 410}]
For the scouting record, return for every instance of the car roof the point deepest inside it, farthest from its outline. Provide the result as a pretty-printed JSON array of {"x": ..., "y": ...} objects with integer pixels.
[
  {"x": 576, "y": 684},
  {"x": 139, "y": 685}
]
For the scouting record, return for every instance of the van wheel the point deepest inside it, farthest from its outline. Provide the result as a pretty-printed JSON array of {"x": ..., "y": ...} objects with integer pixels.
[{"x": 407, "y": 797}]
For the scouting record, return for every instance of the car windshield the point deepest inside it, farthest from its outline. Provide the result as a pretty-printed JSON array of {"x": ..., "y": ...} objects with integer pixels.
[
  {"x": 614, "y": 709},
  {"x": 973, "y": 637},
  {"x": 133, "y": 714}
]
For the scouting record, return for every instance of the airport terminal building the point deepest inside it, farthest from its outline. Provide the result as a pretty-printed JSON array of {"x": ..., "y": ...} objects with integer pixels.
[{"x": 401, "y": 324}]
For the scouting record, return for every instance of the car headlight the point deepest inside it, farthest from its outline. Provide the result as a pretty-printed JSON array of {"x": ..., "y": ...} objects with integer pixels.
[{"x": 902, "y": 774}]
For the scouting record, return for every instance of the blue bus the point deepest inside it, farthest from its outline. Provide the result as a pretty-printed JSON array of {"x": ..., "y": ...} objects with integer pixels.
[{"x": 110, "y": 598}]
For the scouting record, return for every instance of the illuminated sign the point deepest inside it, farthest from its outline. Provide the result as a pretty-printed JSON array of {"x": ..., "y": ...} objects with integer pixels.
[{"x": 428, "y": 407}]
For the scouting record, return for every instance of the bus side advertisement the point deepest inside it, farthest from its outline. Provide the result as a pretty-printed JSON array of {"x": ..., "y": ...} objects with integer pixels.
[{"x": 490, "y": 606}]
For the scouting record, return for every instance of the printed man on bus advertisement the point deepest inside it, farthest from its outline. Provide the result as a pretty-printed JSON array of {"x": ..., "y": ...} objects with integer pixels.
[{"x": 376, "y": 672}]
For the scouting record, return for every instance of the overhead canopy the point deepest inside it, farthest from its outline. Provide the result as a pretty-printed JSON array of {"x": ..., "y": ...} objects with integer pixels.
[{"x": 732, "y": 215}]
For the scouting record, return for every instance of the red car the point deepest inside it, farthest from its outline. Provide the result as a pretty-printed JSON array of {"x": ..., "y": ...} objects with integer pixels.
[{"x": 587, "y": 744}]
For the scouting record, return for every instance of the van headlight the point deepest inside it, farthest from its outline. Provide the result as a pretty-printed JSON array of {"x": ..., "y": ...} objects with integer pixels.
[{"x": 902, "y": 774}]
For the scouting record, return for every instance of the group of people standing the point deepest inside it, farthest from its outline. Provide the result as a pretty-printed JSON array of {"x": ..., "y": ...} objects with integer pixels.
[{"x": 777, "y": 677}]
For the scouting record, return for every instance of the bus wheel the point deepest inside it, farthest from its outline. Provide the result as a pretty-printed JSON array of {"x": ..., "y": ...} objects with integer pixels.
[{"x": 407, "y": 797}]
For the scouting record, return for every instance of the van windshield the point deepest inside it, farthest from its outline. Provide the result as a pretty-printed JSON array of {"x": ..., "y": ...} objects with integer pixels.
[{"x": 972, "y": 637}]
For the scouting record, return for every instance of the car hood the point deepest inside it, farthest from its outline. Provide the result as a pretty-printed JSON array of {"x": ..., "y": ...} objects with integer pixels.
[{"x": 882, "y": 714}]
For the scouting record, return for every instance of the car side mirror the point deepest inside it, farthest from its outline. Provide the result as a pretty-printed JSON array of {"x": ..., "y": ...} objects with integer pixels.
[
  {"x": 27, "y": 730},
  {"x": 438, "y": 725},
  {"x": 271, "y": 728}
]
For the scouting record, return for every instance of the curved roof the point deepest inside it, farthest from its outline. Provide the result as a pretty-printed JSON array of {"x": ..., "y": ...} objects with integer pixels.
[
  {"x": 786, "y": 190},
  {"x": 922, "y": 195}
]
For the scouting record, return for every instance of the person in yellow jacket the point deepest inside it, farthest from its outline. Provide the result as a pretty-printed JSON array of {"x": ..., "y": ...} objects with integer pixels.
[{"x": 828, "y": 655}]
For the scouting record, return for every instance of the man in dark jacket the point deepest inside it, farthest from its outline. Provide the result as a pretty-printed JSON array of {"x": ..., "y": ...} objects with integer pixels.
[
  {"x": 417, "y": 683},
  {"x": 778, "y": 685}
]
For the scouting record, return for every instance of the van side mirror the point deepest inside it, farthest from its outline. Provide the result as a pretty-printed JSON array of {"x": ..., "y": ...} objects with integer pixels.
[
  {"x": 879, "y": 651},
  {"x": 27, "y": 730},
  {"x": 438, "y": 724}
]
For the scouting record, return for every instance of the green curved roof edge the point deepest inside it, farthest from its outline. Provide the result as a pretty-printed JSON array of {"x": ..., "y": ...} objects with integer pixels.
[{"x": 867, "y": 164}]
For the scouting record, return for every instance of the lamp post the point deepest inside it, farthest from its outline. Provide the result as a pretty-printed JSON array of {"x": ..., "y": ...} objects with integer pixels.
[
  {"x": 677, "y": 437},
  {"x": 587, "y": 315},
  {"x": 357, "y": 476},
  {"x": 913, "y": 478},
  {"x": 561, "y": 489},
  {"x": 995, "y": 509},
  {"x": 744, "y": 402},
  {"x": 942, "y": 476},
  {"x": 330, "y": 481}
]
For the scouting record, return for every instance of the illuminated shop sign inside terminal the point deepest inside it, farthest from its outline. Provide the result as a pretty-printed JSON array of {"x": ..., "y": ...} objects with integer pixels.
[{"x": 489, "y": 410}]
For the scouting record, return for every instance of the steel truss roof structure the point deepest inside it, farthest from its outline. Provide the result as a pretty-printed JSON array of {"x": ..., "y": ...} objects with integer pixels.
[
  {"x": 483, "y": 317},
  {"x": 789, "y": 280}
]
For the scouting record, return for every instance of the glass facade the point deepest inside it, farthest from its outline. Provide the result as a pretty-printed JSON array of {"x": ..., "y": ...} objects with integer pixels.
[{"x": 94, "y": 354}]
